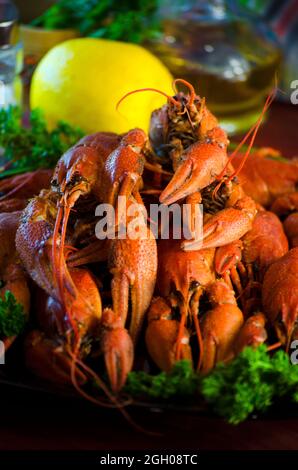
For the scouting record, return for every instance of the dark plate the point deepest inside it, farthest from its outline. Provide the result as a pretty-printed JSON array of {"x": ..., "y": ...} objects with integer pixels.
[
  {"x": 15, "y": 378},
  {"x": 24, "y": 382},
  {"x": 16, "y": 381}
]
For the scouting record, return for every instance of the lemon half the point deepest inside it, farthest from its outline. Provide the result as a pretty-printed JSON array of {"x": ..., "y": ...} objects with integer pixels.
[{"x": 82, "y": 80}]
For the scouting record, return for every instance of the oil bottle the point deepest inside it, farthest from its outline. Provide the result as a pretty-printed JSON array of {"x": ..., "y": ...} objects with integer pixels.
[{"x": 230, "y": 60}]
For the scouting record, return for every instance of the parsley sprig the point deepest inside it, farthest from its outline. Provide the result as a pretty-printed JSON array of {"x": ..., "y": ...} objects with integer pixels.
[
  {"x": 125, "y": 20},
  {"x": 12, "y": 316},
  {"x": 251, "y": 383},
  {"x": 182, "y": 381},
  {"x": 32, "y": 147}
]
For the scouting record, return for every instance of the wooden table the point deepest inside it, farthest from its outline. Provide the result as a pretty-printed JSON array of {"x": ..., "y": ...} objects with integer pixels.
[{"x": 39, "y": 422}]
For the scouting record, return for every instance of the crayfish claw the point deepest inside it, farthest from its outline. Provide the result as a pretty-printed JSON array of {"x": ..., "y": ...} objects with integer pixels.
[
  {"x": 161, "y": 336},
  {"x": 220, "y": 326},
  {"x": 228, "y": 225},
  {"x": 117, "y": 347},
  {"x": 198, "y": 167},
  {"x": 179, "y": 186},
  {"x": 227, "y": 256},
  {"x": 253, "y": 333}
]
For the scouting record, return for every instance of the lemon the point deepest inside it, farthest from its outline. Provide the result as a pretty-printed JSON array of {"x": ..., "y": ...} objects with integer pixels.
[{"x": 81, "y": 81}]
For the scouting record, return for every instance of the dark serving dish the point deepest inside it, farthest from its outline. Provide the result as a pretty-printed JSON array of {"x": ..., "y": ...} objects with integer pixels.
[{"x": 16, "y": 380}]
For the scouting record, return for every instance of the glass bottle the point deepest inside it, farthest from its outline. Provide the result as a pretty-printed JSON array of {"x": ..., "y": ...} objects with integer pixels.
[
  {"x": 230, "y": 60},
  {"x": 11, "y": 56}
]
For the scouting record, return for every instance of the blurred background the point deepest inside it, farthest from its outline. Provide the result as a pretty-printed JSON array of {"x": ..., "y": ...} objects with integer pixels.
[{"x": 231, "y": 51}]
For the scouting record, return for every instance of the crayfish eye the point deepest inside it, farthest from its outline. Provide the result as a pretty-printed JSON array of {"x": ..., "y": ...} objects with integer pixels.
[
  {"x": 74, "y": 179},
  {"x": 194, "y": 285},
  {"x": 256, "y": 267}
]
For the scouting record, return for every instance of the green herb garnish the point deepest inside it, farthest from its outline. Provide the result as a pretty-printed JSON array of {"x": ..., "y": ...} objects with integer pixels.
[
  {"x": 182, "y": 381},
  {"x": 250, "y": 383},
  {"x": 12, "y": 316},
  {"x": 27, "y": 149},
  {"x": 126, "y": 20}
]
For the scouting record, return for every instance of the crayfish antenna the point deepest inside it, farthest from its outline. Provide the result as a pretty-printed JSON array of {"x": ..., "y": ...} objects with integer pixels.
[
  {"x": 200, "y": 341},
  {"x": 194, "y": 311},
  {"x": 64, "y": 276},
  {"x": 74, "y": 354},
  {"x": 267, "y": 104},
  {"x": 140, "y": 90},
  {"x": 252, "y": 132},
  {"x": 274, "y": 346},
  {"x": 73, "y": 348},
  {"x": 189, "y": 86},
  {"x": 180, "y": 335},
  {"x": 114, "y": 402},
  {"x": 61, "y": 273},
  {"x": 55, "y": 253}
]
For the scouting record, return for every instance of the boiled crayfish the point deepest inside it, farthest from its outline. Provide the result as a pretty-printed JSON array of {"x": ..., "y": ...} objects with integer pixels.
[
  {"x": 97, "y": 169},
  {"x": 201, "y": 299}
]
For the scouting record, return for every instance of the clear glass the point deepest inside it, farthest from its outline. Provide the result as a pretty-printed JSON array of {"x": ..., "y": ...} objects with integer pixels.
[
  {"x": 11, "y": 64},
  {"x": 229, "y": 60}
]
